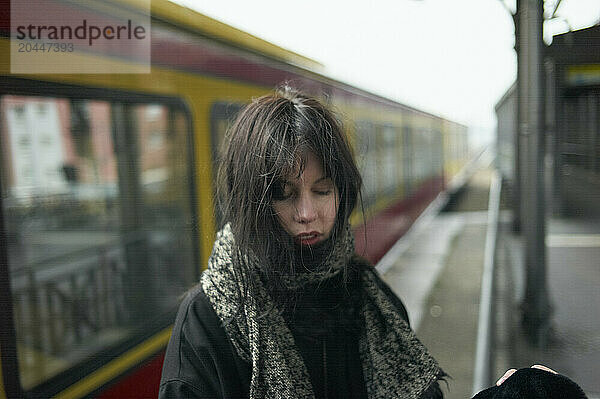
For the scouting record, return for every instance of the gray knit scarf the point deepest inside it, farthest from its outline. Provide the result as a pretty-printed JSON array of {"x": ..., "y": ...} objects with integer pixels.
[{"x": 395, "y": 363}]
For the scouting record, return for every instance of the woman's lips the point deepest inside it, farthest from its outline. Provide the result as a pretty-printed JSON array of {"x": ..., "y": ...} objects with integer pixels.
[{"x": 310, "y": 238}]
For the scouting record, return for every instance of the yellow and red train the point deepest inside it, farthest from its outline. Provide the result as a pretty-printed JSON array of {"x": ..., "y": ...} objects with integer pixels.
[{"x": 107, "y": 194}]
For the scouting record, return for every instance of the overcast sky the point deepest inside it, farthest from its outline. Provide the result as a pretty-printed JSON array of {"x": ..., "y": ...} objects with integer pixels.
[{"x": 454, "y": 58}]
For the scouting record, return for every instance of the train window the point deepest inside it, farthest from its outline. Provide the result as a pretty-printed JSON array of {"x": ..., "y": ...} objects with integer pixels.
[
  {"x": 222, "y": 116},
  {"x": 438, "y": 153},
  {"x": 367, "y": 160},
  {"x": 389, "y": 159},
  {"x": 422, "y": 155},
  {"x": 417, "y": 142},
  {"x": 408, "y": 165},
  {"x": 428, "y": 141},
  {"x": 98, "y": 215}
]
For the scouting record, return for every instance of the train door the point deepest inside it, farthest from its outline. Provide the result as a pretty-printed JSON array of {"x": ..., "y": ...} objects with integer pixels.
[{"x": 98, "y": 235}]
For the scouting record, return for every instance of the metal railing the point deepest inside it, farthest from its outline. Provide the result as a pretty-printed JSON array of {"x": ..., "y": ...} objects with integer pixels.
[
  {"x": 484, "y": 361},
  {"x": 68, "y": 300},
  {"x": 62, "y": 302}
]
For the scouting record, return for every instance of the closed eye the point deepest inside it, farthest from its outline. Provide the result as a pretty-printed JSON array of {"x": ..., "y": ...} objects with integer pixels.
[{"x": 282, "y": 191}]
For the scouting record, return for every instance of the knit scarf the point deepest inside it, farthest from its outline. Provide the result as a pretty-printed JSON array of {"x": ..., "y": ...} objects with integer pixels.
[{"x": 395, "y": 363}]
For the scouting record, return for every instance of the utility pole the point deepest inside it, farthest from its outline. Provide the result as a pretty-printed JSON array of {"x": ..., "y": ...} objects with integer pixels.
[
  {"x": 517, "y": 203},
  {"x": 536, "y": 305}
]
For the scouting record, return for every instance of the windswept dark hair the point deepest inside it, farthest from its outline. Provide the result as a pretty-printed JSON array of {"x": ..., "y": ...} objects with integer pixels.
[{"x": 262, "y": 148}]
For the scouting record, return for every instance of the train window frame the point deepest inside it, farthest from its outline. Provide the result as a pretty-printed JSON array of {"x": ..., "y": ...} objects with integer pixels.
[{"x": 8, "y": 342}]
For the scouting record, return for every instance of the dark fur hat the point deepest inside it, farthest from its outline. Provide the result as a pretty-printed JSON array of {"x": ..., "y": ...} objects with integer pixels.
[{"x": 534, "y": 384}]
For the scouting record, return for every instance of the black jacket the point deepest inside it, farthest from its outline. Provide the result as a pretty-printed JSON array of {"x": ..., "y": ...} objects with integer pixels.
[{"x": 201, "y": 361}]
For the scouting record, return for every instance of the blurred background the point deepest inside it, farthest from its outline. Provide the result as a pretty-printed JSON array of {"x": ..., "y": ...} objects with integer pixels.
[
  {"x": 475, "y": 125},
  {"x": 455, "y": 59}
]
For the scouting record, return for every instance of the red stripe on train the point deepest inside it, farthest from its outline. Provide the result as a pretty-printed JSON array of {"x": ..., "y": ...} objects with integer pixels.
[
  {"x": 385, "y": 228},
  {"x": 142, "y": 382}
]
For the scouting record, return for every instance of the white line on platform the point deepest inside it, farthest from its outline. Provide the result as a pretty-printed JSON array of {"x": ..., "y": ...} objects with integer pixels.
[
  {"x": 573, "y": 240},
  {"x": 414, "y": 272}
]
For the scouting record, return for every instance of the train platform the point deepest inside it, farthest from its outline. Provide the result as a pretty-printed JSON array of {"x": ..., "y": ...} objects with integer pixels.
[
  {"x": 572, "y": 346},
  {"x": 438, "y": 275}
]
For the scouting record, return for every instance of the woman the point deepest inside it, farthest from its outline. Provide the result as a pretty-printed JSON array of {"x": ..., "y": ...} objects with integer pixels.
[{"x": 286, "y": 309}]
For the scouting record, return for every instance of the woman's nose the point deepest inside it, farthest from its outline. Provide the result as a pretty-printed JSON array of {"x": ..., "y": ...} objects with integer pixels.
[{"x": 306, "y": 211}]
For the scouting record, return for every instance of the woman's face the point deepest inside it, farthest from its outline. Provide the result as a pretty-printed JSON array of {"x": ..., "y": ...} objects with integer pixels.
[{"x": 309, "y": 205}]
